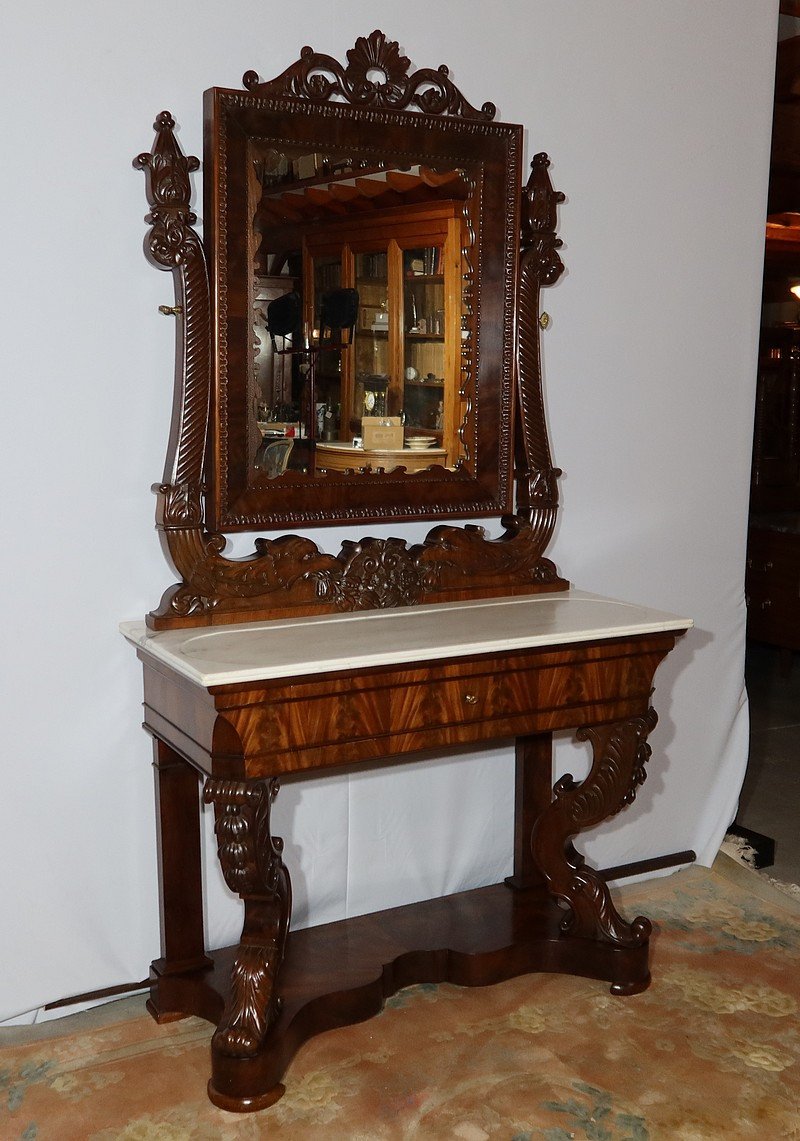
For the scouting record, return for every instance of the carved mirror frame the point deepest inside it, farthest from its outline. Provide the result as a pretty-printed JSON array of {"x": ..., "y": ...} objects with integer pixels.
[{"x": 289, "y": 576}]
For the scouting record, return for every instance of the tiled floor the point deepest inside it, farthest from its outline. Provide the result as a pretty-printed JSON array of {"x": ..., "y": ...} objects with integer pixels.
[{"x": 770, "y": 798}]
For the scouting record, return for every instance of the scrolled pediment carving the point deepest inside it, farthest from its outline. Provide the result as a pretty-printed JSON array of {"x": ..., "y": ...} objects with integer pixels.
[{"x": 321, "y": 79}]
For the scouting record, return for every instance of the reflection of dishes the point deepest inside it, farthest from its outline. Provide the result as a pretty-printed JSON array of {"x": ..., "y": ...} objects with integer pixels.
[{"x": 419, "y": 443}]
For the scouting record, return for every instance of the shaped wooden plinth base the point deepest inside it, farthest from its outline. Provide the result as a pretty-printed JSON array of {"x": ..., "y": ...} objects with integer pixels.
[{"x": 341, "y": 973}]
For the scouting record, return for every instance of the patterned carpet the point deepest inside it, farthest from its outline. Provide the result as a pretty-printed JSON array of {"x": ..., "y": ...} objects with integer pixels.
[{"x": 711, "y": 1050}]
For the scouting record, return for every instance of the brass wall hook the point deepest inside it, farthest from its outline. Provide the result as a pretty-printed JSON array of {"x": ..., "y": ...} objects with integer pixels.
[
  {"x": 544, "y": 320},
  {"x": 170, "y": 310}
]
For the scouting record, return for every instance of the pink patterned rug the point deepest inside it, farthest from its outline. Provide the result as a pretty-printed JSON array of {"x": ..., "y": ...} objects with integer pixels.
[{"x": 711, "y": 1050}]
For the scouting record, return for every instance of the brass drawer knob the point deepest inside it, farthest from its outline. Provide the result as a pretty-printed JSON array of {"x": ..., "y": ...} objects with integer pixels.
[{"x": 471, "y": 698}]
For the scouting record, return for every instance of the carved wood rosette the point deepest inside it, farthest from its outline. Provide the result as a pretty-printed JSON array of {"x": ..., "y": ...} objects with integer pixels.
[
  {"x": 620, "y": 753},
  {"x": 250, "y": 857},
  {"x": 290, "y": 576}
]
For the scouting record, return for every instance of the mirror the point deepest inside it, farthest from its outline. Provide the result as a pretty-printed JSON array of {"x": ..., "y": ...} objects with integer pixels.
[
  {"x": 362, "y": 328},
  {"x": 357, "y": 338},
  {"x": 363, "y": 258}
]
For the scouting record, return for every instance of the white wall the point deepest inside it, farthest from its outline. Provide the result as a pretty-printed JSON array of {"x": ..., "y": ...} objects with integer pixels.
[{"x": 657, "y": 120}]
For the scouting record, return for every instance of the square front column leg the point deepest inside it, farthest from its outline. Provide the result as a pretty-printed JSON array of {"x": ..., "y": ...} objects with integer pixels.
[
  {"x": 533, "y": 792},
  {"x": 180, "y": 880}
]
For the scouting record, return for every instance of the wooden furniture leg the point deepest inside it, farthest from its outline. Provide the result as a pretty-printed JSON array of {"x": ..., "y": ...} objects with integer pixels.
[
  {"x": 533, "y": 792},
  {"x": 251, "y": 863},
  {"x": 620, "y": 753},
  {"x": 180, "y": 880}
]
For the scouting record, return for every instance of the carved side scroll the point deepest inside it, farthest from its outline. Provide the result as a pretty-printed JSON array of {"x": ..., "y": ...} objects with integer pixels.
[
  {"x": 251, "y": 863},
  {"x": 620, "y": 753},
  {"x": 290, "y": 576},
  {"x": 540, "y": 264}
]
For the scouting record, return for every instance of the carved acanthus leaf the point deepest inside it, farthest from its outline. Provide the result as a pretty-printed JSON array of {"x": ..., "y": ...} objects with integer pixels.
[
  {"x": 180, "y": 505},
  {"x": 451, "y": 555},
  {"x": 369, "y": 574},
  {"x": 620, "y": 752},
  {"x": 252, "y": 864},
  {"x": 249, "y": 857}
]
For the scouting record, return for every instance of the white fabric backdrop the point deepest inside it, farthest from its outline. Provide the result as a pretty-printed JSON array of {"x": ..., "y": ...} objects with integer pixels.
[{"x": 657, "y": 119}]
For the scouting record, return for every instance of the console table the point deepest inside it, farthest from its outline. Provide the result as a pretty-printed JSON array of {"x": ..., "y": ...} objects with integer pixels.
[{"x": 242, "y": 706}]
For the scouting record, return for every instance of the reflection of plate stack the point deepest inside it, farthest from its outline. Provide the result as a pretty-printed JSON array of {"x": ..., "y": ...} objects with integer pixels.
[{"x": 419, "y": 443}]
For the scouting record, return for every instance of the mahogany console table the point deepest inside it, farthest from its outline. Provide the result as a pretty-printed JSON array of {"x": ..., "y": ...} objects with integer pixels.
[{"x": 243, "y": 705}]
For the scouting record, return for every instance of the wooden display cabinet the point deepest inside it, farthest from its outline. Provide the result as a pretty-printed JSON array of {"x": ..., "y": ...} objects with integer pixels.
[
  {"x": 773, "y": 551},
  {"x": 406, "y": 353}
]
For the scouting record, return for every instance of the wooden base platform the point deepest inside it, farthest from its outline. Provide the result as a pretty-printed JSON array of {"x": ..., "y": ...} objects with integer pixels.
[{"x": 341, "y": 973}]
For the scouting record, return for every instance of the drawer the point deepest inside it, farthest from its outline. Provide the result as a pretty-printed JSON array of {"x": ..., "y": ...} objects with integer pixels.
[
  {"x": 341, "y": 719},
  {"x": 461, "y": 701}
]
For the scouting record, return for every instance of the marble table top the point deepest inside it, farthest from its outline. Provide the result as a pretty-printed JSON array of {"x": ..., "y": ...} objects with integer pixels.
[{"x": 257, "y": 651}]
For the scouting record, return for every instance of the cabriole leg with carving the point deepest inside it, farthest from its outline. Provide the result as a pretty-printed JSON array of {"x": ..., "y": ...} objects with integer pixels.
[
  {"x": 251, "y": 862},
  {"x": 620, "y": 753}
]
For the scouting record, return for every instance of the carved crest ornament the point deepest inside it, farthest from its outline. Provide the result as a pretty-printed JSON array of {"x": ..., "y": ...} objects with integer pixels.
[{"x": 289, "y": 575}]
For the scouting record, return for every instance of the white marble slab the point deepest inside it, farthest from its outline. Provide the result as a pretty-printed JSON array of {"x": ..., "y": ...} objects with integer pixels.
[{"x": 256, "y": 651}]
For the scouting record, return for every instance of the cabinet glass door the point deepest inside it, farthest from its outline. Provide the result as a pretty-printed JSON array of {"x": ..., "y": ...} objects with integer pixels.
[
  {"x": 372, "y": 360},
  {"x": 423, "y": 342},
  {"x": 328, "y": 362}
]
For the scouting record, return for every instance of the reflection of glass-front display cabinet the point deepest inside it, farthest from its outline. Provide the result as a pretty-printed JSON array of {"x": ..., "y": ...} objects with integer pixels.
[{"x": 405, "y": 359}]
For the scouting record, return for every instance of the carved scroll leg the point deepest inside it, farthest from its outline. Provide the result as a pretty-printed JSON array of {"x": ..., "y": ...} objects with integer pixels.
[
  {"x": 620, "y": 753},
  {"x": 252, "y": 866}
]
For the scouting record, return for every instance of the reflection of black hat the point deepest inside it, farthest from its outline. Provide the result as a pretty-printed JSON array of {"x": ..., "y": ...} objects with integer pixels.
[
  {"x": 283, "y": 315},
  {"x": 339, "y": 309}
]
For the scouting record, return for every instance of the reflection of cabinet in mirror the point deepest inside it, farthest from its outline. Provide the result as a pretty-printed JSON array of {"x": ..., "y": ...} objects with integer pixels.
[{"x": 406, "y": 265}]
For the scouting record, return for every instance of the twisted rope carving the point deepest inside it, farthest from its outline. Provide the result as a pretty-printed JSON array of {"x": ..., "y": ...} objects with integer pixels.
[{"x": 540, "y": 264}]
